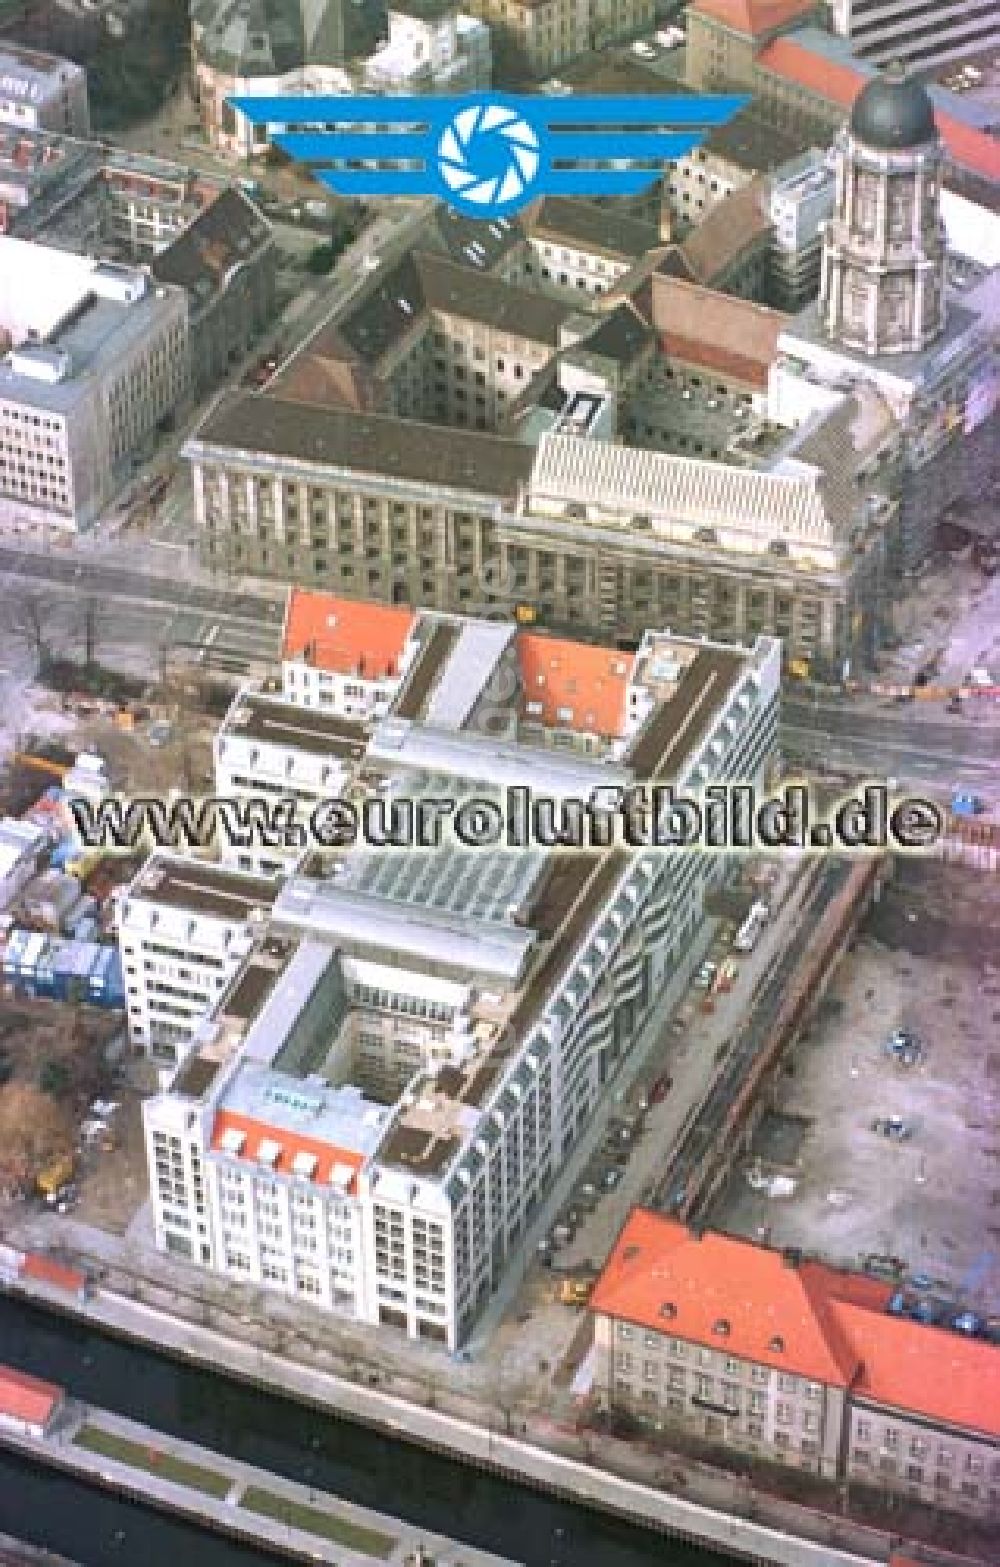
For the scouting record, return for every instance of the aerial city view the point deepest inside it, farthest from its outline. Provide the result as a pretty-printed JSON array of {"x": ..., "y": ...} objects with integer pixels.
[{"x": 500, "y": 783}]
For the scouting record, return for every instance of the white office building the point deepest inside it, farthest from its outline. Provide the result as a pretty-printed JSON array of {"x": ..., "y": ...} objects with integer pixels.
[
  {"x": 96, "y": 358},
  {"x": 375, "y": 1110},
  {"x": 185, "y": 926}
]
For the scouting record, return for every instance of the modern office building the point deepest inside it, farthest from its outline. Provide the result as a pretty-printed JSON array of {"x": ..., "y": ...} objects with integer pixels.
[
  {"x": 802, "y": 199},
  {"x": 184, "y": 928},
  {"x": 375, "y": 1109},
  {"x": 779, "y": 1357},
  {"x": 96, "y": 360},
  {"x": 41, "y": 92},
  {"x": 921, "y": 34}
]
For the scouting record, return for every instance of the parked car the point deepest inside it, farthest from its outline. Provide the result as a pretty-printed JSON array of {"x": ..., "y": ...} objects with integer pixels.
[
  {"x": 660, "y": 1088},
  {"x": 893, "y": 1127}
]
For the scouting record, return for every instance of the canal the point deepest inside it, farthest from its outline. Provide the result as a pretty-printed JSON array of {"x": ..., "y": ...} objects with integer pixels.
[{"x": 98, "y": 1530}]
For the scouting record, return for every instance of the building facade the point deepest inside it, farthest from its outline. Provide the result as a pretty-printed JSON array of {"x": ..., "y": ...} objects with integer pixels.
[
  {"x": 41, "y": 92},
  {"x": 97, "y": 360},
  {"x": 785, "y": 1359},
  {"x": 376, "y": 1106},
  {"x": 922, "y": 34}
]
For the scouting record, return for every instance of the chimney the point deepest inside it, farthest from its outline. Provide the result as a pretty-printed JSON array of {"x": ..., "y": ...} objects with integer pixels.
[{"x": 791, "y": 1256}]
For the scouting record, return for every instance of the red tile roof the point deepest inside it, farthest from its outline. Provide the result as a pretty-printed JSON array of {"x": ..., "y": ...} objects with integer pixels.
[
  {"x": 831, "y": 1327},
  {"x": 589, "y": 683},
  {"x": 291, "y": 1144},
  {"x": 754, "y": 16},
  {"x": 720, "y": 332},
  {"x": 345, "y": 636},
  {"x": 45, "y": 1271},
  {"x": 791, "y": 60},
  {"x": 939, "y": 1374},
  {"x": 27, "y": 1398},
  {"x": 730, "y": 1294}
]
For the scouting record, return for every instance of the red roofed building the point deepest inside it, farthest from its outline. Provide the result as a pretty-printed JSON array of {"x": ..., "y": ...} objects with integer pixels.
[
  {"x": 28, "y": 1405},
  {"x": 760, "y": 1351},
  {"x": 724, "y": 36},
  {"x": 346, "y": 655},
  {"x": 54, "y": 1275},
  {"x": 285, "y": 1152},
  {"x": 573, "y": 686}
]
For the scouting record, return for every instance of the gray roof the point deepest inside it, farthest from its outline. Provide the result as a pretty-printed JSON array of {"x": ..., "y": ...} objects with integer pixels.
[
  {"x": 595, "y": 227},
  {"x": 379, "y": 445},
  {"x": 621, "y": 336},
  {"x": 470, "y": 241},
  {"x": 227, "y": 232},
  {"x": 756, "y": 145}
]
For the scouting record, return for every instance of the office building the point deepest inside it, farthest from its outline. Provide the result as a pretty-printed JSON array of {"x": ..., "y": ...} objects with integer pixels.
[
  {"x": 431, "y": 47},
  {"x": 782, "y": 1358},
  {"x": 374, "y": 1110},
  {"x": 184, "y": 928},
  {"x": 921, "y": 34},
  {"x": 96, "y": 361}
]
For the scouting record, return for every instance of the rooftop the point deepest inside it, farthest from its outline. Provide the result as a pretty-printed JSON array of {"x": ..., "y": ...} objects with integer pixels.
[
  {"x": 590, "y": 226},
  {"x": 754, "y": 16},
  {"x": 226, "y": 233},
  {"x": 181, "y": 882},
  {"x": 374, "y": 444},
  {"x": 807, "y": 58},
  {"x": 273, "y": 722},
  {"x": 32, "y": 76},
  {"x": 26, "y": 1398},
  {"x": 754, "y": 144},
  {"x": 797, "y": 1316},
  {"x": 721, "y": 332},
  {"x": 294, "y": 1127},
  {"x": 572, "y": 685},
  {"x": 343, "y": 636},
  {"x": 730, "y": 228}
]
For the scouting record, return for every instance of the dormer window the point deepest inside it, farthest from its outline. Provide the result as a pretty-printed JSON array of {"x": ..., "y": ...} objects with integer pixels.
[
  {"x": 721, "y": 1327},
  {"x": 668, "y": 1310},
  {"x": 776, "y": 1345}
]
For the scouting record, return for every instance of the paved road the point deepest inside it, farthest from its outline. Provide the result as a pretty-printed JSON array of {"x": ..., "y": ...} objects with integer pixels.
[{"x": 903, "y": 742}]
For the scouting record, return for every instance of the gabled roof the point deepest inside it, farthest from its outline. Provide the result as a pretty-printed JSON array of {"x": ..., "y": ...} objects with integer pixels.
[
  {"x": 284, "y": 1152},
  {"x": 589, "y": 684},
  {"x": 27, "y": 1399},
  {"x": 721, "y": 332},
  {"x": 932, "y": 1371},
  {"x": 739, "y": 221},
  {"x": 345, "y": 636},
  {"x": 754, "y": 16},
  {"x": 791, "y": 59},
  {"x": 730, "y": 1295},
  {"x": 799, "y": 1317}
]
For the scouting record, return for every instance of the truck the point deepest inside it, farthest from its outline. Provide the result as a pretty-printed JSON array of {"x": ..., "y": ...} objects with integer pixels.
[
  {"x": 55, "y": 1176},
  {"x": 746, "y": 937}
]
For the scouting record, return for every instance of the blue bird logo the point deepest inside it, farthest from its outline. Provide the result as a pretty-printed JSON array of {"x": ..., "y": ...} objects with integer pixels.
[{"x": 487, "y": 154}]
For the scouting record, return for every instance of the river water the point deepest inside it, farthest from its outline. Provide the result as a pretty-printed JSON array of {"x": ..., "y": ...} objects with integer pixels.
[{"x": 99, "y": 1530}]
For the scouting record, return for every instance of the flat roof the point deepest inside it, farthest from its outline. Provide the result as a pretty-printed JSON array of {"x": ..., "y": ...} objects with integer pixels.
[
  {"x": 272, "y": 721},
  {"x": 678, "y": 723},
  {"x": 435, "y": 651},
  {"x": 183, "y": 883}
]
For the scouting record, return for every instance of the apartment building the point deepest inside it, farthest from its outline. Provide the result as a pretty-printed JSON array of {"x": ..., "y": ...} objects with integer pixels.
[
  {"x": 343, "y": 656},
  {"x": 184, "y": 928},
  {"x": 537, "y": 37},
  {"x": 97, "y": 360},
  {"x": 431, "y": 47},
  {"x": 42, "y": 92},
  {"x": 923, "y": 34},
  {"x": 431, "y": 340},
  {"x": 574, "y": 247},
  {"x": 271, "y": 749},
  {"x": 225, "y": 261},
  {"x": 732, "y": 156},
  {"x": 376, "y": 1107},
  {"x": 784, "y": 1358}
]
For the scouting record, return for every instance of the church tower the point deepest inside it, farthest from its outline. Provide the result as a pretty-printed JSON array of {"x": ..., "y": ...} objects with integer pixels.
[{"x": 883, "y": 272}]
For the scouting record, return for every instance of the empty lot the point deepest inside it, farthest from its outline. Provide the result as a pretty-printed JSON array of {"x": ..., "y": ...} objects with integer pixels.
[{"x": 927, "y": 959}]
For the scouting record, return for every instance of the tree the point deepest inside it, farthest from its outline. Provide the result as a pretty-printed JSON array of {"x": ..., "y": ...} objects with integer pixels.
[
  {"x": 34, "y": 1130},
  {"x": 26, "y": 615},
  {"x": 54, "y": 1078}
]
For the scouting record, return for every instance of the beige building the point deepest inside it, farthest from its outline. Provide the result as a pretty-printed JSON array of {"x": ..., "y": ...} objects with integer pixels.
[
  {"x": 782, "y": 1358},
  {"x": 537, "y": 37}
]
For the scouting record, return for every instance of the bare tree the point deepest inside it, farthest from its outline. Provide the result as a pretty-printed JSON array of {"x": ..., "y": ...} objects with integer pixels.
[
  {"x": 91, "y": 615},
  {"x": 26, "y": 614}
]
